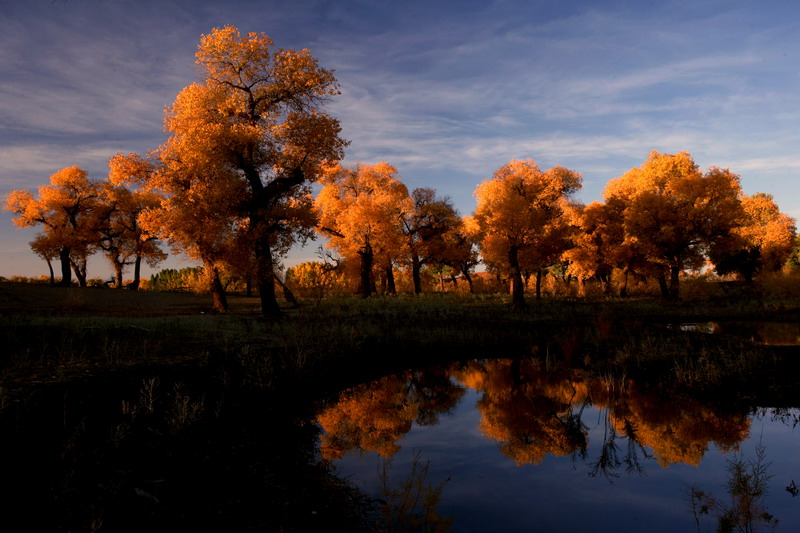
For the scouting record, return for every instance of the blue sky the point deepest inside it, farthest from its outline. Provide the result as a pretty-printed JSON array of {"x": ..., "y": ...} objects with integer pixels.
[{"x": 447, "y": 91}]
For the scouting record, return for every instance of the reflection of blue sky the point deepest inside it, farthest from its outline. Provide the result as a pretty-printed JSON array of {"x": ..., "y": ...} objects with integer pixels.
[
  {"x": 446, "y": 91},
  {"x": 487, "y": 492}
]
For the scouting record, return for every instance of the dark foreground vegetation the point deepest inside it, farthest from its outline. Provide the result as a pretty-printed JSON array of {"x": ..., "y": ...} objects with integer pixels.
[{"x": 131, "y": 411}]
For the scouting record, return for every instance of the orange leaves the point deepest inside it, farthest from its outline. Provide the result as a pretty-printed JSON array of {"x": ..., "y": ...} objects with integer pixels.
[
  {"x": 229, "y": 58},
  {"x": 519, "y": 215},
  {"x": 520, "y": 200},
  {"x": 372, "y": 418},
  {"x": 673, "y": 213},
  {"x": 362, "y": 207},
  {"x": 129, "y": 169}
]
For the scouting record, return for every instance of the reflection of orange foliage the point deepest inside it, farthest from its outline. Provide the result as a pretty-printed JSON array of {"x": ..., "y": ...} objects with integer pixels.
[
  {"x": 677, "y": 432},
  {"x": 372, "y": 418},
  {"x": 528, "y": 411}
]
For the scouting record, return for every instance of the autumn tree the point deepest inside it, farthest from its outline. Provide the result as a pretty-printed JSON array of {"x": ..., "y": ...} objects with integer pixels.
[
  {"x": 360, "y": 210},
  {"x": 460, "y": 250},
  {"x": 764, "y": 242},
  {"x": 592, "y": 244},
  {"x": 520, "y": 211},
  {"x": 245, "y": 145},
  {"x": 674, "y": 212},
  {"x": 424, "y": 227},
  {"x": 599, "y": 246},
  {"x": 46, "y": 246},
  {"x": 313, "y": 278},
  {"x": 67, "y": 209},
  {"x": 122, "y": 239}
]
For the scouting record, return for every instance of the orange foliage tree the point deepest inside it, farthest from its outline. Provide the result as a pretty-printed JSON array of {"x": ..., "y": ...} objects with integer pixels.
[
  {"x": 314, "y": 278},
  {"x": 360, "y": 210},
  {"x": 425, "y": 227},
  {"x": 68, "y": 210},
  {"x": 459, "y": 250},
  {"x": 245, "y": 145},
  {"x": 593, "y": 242},
  {"x": 519, "y": 216},
  {"x": 763, "y": 243},
  {"x": 674, "y": 213},
  {"x": 121, "y": 237}
]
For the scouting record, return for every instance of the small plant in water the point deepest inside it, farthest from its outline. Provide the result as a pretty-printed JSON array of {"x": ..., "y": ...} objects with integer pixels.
[
  {"x": 747, "y": 488},
  {"x": 411, "y": 507}
]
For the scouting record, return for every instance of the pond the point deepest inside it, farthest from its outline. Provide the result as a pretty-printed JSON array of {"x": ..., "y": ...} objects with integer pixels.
[
  {"x": 766, "y": 333},
  {"x": 510, "y": 445}
]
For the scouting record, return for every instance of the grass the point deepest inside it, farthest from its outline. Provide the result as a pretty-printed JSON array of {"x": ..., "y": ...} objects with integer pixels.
[{"x": 67, "y": 333}]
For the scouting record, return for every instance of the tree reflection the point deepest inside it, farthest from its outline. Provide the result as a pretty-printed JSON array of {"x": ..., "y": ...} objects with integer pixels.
[
  {"x": 677, "y": 427},
  {"x": 608, "y": 461},
  {"x": 374, "y": 416},
  {"x": 532, "y": 410}
]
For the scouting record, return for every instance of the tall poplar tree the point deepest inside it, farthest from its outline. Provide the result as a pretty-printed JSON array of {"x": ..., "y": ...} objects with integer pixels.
[
  {"x": 245, "y": 145},
  {"x": 520, "y": 211}
]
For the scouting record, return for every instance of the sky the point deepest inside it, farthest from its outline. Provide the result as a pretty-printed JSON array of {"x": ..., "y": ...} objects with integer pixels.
[{"x": 447, "y": 91}]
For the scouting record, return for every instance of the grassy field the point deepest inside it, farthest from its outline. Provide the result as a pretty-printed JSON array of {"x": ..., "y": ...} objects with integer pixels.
[{"x": 65, "y": 331}]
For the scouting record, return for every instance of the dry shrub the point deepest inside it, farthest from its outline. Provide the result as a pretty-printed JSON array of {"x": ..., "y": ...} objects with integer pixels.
[
  {"x": 784, "y": 285},
  {"x": 701, "y": 288},
  {"x": 554, "y": 287}
]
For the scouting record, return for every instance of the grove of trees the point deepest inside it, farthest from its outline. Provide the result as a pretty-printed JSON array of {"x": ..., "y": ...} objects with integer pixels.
[{"x": 231, "y": 187}]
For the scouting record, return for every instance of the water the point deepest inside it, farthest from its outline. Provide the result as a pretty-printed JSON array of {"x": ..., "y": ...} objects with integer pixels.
[
  {"x": 766, "y": 333},
  {"x": 522, "y": 448}
]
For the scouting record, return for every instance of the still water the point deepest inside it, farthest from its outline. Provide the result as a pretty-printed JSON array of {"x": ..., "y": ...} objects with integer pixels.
[{"x": 519, "y": 447}]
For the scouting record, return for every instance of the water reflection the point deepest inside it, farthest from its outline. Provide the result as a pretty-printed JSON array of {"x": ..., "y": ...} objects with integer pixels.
[
  {"x": 530, "y": 412},
  {"x": 766, "y": 333},
  {"x": 374, "y": 416},
  {"x": 525, "y": 445}
]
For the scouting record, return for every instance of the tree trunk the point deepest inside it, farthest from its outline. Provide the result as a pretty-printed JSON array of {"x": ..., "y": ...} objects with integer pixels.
[
  {"x": 249, "y": 285},
  {"x": 218, "y": 298},
  {"x": 454, "y": 280},
  {"x": 390, "y": 285},
  {"x": 137, "y": 274},
  {"x": 287, "y": 292},
  {"x": 365, "y": 284},
  {"x": 674, "y": 280},
  {"x": 517, "y": 288},
  {"x": 416, "y": 266},
  {"x": 265, "y": 279},
  {"x": 662, "y": 284},
  {"x": 66, "y": 267},
  {"x": 538, "y": 284},
  {"x": 52, "y": 274},
  {"x": 623, "y": 291},
  {"x": 608, "y": 287},
  {"x": 117, "y": 274},
  {"x": 465, "y": 273},
  {"x": 79, "y": 267}
]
